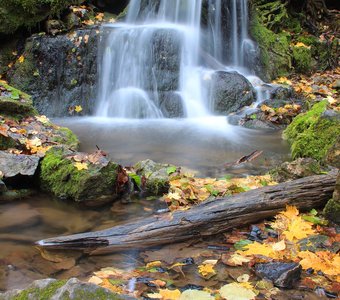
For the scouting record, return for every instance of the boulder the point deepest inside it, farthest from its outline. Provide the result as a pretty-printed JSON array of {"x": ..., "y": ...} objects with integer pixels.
[
  {"x": 12, "y": 165},
  {"x": 59, "y": 71},
  {"x": 314, "y": 133},
  {"x": 301, "y": 167},
  {"x": 53, "y": 289},
  {"x": 229, "y": 92},
  {"x": 90, "y": 179},
  {"x": 171, "y": 105},
  {"x": 332, "y": 208},
  {"x": 156, "y": 175}
]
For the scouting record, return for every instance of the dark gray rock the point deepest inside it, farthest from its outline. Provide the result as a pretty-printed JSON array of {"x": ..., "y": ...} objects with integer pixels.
[
  {"x": 3, "y": 187},
  {"x": 283, "y": 275},
  {"x": 59, "y": 71},
  {"x": 58, "y": 289},
  {"x": 12, "y": 165},
  {"x": 259, "y": 124},
  {"x": 229, "y": 92}
]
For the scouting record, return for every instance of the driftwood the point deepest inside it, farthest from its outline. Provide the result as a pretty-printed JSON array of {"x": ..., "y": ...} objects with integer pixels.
[{"x": 206, "y": 219}]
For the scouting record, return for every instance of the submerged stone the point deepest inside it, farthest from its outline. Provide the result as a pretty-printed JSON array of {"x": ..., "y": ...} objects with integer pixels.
[
  {"x": 52, "y": 289},
  {"x": 91, "y": 183},
  {"x": 283, "y": 275}
]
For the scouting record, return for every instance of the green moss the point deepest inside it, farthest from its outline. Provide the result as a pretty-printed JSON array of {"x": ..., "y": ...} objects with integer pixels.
[
  {"x": 275, "y": 48},
  {"x": 311, "y": 134},
  {"x": 302, "y": 59},
  {"x": 41, "y": 294},
  {"x": 67, "y": 137},
  {"x": 98, "y": 294},
  {"x": 6, "y": 142},
  {"x": 62, "y": 178},
  {"x": 332, "y": 210},
  {"x": 27, "y": 13}
]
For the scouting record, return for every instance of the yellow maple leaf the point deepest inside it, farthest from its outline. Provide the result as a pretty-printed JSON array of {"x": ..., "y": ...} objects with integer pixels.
[
  {"x": 153, "y": 264},
  {"x": 206, "y": 270},
  {"x": 236, "y": 291},
  {"x": 300, "y": 44},
  {"x": 298, "y": 229},
  {"x": 170, "y": 294},
  {"x": 21, "y": 59},
  {"x": 78, "y": 108},
  {"x": 283, "y": 80},
  {"x": 258, "y": 249},
  {"x": 325, "y": 261},
  {"x": 237, "y": 260},
  {"x": 80, "y": 166}
]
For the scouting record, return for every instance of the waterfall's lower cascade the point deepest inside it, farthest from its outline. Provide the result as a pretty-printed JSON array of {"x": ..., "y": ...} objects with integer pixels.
[{"x": 171, "y": 58}]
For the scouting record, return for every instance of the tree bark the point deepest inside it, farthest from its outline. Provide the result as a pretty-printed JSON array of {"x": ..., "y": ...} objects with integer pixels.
[{"x": 206, "y": 219}]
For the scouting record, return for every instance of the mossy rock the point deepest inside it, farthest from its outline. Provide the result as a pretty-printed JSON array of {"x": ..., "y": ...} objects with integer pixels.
[
  {"x": 157, "y": 176},
  {"x": 66, "y": 137},
  {"x": 15, "y": 14},
  {"x": 51, "y": 289},
  {"x": 14, "y": 102},
  {"x": 302, "y": 59},
  {"x": 274, "y": 48},
  {"x": 94, "y": 185},
  {"x": 332, "y": 208},
  {"x": 313, "y": 133}
]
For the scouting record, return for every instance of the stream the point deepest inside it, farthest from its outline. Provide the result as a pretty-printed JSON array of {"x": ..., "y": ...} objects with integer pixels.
[{"x": 201, "y": 145}]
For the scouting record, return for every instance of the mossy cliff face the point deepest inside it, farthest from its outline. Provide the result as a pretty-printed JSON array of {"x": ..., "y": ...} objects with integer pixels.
[
  {"x": 313, "y": 133},
  {"x": 15, "y": 14},
  {"x": 94, "y": 185}
]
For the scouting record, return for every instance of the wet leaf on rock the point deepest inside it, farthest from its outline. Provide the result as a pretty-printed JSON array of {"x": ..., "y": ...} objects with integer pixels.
[{"x": 236, "y": 291}]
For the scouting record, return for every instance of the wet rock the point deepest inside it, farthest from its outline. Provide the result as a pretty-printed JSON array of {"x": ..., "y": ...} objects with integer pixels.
[
  {"x": 90, "y": 183},
  {"x": 229, "y": 92},
  {"x": 14, "y": 102},
  {"x": 25, "y": 216},
  {"x": 283, "y": 275},
  {"x": 259, "y": 124},
  {"x": 171, "y": 105},
  {"x": 332, "y": 208},
  {"x": 61, "y": 289},
  {"x": 59, "y": 71},
  {"x": 12, "y": 165},
  {"x": 14, "y": 195},
  {"x": 156, "y": 175},
  {"x": 280, "y": 92},
  {"x": 3, "y": 187},
  {"x": 301, "y": 167}
]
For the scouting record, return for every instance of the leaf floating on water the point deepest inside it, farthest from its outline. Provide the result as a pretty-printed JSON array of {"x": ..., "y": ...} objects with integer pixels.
[
  {"x": 206, "y": 271},
  {"x": 81, "y": 166},
  {"x": 236, "y": 291}
]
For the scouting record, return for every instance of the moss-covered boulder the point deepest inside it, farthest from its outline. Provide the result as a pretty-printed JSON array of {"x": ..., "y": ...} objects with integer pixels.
[
  {"x": 275, "y": 56},
  {"x": 15, "y": 14},
  {"x": 156, "y": 176},
  {"x": 82, "y": 177},
  {"x": 52, "y": 289},
  {"x": 14, "y": 102},
  {"x": 332, "y": 209},
  {"x": 313, "y": 133}
]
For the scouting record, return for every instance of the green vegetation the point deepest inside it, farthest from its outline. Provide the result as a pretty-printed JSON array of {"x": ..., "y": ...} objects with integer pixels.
[
  {"x": 60, "y": 176},
  {"x": 302, "y": 59},
  {"x": 66, "y": 137},
  {"x": 312, "y": 134},
  {"x": 15, "y": 14}
]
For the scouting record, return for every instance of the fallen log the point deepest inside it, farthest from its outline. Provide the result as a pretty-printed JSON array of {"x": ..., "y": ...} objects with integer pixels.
[{"x": 206, "y": 219}]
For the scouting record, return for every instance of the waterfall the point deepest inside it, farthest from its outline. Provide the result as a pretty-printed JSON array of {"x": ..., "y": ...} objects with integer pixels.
[{"x": 151, "y": 62}]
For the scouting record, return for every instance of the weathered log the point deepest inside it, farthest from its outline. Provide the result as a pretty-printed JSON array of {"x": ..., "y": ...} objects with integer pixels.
[{"x": 206, "y": 219}]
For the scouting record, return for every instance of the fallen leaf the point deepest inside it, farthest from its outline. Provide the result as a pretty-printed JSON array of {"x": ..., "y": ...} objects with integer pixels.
[
  {"x": 21, "y": 59},
  {"x": 235, "y": 291},
  {"x": 170, "y": 294},
  {"x": 81, "y": 166},
  {"x": 196, "y": 295},
  {"x": 78, "y": 108},
  {"x": 206, "y": 271}
]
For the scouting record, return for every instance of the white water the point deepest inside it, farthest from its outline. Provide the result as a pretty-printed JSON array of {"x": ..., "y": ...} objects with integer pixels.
[{"x": 157, "y": 50}]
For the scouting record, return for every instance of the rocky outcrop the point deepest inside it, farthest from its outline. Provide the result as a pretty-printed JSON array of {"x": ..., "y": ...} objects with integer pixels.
[
  {"x": 332, "y": 208},
  {"x": 59, "y": 71},
  {"x": 53, "y": 289},
  {"x": 229, "y": 92}
]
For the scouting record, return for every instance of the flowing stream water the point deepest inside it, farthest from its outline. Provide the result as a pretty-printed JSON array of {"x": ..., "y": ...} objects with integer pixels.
[{"x": 153, "y": 56}]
